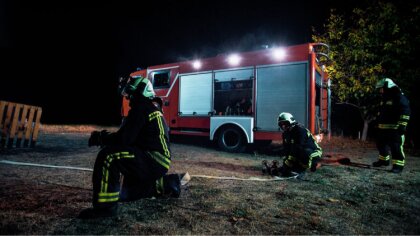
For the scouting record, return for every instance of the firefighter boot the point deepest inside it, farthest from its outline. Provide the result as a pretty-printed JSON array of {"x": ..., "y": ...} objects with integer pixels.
[
  {"x": 98, "y": 212},
  {"x": 380, "y": 163},
  {"x": 397, "y": 169},
  {"x": 172, "y": 185},
  {"x": 315, "y": 164}
]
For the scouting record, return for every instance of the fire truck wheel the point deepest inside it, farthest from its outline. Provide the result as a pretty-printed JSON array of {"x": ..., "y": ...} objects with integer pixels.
[{"x": 231, "y": 139}]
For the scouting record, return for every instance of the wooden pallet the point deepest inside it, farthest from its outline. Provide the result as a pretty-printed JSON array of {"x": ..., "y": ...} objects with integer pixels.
[{"x": 17, "y": 122}]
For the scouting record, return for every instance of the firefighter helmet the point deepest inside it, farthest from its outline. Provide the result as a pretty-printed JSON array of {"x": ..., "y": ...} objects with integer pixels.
[
  {"x": 286, "y": 119},
  {"x": 385, "y": 83},
  {"x": 138, "y": 85}
]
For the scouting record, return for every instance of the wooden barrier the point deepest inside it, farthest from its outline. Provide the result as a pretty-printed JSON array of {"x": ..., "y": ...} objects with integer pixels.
[{"x": 17, "y": 122}]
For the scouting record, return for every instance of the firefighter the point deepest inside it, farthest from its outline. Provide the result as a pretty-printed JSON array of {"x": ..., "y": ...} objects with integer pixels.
[
  {"x": 138, "y": 153},
  {"x": 300, "y": 148},
  {"x": 392, "y": 119}
]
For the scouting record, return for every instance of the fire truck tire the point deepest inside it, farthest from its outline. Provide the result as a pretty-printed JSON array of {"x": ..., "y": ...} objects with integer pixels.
[{"x": 231, "y": 139}]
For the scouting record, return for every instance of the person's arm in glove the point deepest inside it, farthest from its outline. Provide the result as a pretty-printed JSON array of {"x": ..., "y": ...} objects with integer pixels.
[
  {"x": 97, "y": 138},
  {"x": 404, "y": 115}
]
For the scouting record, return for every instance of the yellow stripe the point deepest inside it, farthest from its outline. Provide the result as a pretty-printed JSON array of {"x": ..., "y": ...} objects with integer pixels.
[
  {"x": 158, "y": 115},
  {"x": 159, "y": 186},
  {"x": 316, "y": 153},
  {"x": 387, "y": 126},
  {"x": 161, "y": 159},
  {"x": 384, "y": 158},
  {"x": 313, "y": 139},
  {"x": 154, "y": 115},
  {"x": 398, "y": 162},
  {"x": 109, "y": 194},
  {"x": 289, "y": 161},
  {"x": 162, "y": 138},
  {"x": 108, "y": 199},
  {"x": 105, "y": 173},
  {"x": 402, "y": 145},
  {"x": 128, "y": 156},
  {"x": 107, "y": 164},
  {"x": 109, "y": 158}
]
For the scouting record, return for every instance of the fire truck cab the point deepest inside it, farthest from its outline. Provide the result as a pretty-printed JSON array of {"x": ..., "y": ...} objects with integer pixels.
[{"x": 236, "y": 99}]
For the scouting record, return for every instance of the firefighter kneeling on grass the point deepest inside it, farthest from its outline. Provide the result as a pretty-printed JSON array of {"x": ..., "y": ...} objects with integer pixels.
[
  {"x": 392, "y": 121},
  {"x": 301, "y": 150},
  {"x": 139, "y": 151}
]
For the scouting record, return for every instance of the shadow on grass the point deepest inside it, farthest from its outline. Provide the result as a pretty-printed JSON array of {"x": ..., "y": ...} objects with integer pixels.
[{"x": 270, "y": 149}]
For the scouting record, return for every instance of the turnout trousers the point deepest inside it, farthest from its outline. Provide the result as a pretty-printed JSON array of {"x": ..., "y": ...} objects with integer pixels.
[
  {"x": 141, "y": 173},
  {"x": 305, "y": 159},
  {"x": 390, "y": 140}
]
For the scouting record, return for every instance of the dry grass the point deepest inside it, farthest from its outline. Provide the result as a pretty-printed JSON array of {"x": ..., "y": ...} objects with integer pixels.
[
  {"x": 51, "y": 128},
  {"x": 336, "y": 199}
]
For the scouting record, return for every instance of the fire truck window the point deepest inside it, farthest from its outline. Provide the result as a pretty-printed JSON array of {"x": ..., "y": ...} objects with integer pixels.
[
  {"x": 161, "y": 79},
  {"x": 233, "y": 93}
]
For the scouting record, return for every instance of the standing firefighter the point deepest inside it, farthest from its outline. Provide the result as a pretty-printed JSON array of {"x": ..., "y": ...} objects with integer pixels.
[
  {"x": 301, "y": 150},
  {"x": 138, "y": 151},
  {"x": 392, "y": 121}
]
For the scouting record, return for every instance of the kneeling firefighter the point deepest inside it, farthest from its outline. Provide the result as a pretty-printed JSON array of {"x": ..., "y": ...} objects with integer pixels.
[
  {"x": 139, "y": 151},
  {"x": 301, "y": 150}
]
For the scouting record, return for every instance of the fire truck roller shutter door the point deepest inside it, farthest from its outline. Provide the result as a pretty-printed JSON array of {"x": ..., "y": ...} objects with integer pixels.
[{"x": 281, "y": 88}]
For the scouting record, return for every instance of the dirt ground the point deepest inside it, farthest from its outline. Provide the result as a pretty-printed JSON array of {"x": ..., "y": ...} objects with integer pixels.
[{"x": 336, "y": 199}]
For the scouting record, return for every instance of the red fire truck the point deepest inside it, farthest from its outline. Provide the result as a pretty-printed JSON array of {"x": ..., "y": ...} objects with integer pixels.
[{"x": 235, "y": 99}]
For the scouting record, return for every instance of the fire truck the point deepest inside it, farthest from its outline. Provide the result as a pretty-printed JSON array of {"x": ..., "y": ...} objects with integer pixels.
[{"x": 235, "y": 99}]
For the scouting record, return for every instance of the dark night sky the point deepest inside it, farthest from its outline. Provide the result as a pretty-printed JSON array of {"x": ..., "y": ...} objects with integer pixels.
[{"x": 66, "y": 58}]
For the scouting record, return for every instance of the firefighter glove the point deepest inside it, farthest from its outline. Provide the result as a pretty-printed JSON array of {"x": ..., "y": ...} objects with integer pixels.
[
  {"x": 285, "y": 171},
  {"x": 97, "y": 137},
  {"x": 401, "y": 129}
]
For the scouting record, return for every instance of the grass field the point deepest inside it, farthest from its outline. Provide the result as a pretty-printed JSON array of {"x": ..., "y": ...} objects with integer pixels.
[{"x": 336, "y": 199}]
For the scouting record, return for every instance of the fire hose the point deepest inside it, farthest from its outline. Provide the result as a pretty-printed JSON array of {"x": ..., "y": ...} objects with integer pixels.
[{"x": 187, "y": 176}]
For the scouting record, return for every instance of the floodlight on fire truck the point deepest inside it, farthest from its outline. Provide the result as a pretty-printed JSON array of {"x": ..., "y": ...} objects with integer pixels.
[
  {"x": 279, "y": 53},
  {"x": 196, "y": 64},
  {"x": 234, "y": 59}
]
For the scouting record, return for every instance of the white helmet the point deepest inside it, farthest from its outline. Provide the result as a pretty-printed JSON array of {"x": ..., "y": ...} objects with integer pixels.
[
  {"x": 385, "y": 83},
  {"x": 286, "y": 119},
  {"x": 138, "y": 85}
]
